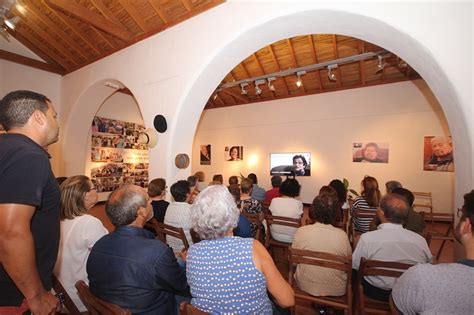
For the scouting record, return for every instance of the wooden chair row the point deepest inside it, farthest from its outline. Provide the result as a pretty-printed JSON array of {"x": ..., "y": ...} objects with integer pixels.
[{"x": 346, "y": 302}]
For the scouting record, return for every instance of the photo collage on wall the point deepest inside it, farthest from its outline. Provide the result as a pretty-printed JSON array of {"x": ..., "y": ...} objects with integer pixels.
[{"x": 117, "y": 157}]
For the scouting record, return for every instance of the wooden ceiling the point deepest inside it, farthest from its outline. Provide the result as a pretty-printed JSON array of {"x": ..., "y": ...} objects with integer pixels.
[
  {"x": 69, "y": 34},
  {"x": 301, "y": 51}
]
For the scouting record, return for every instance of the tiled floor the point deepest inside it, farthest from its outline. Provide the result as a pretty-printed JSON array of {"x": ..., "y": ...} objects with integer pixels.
[{"x": 281, "y": 259}]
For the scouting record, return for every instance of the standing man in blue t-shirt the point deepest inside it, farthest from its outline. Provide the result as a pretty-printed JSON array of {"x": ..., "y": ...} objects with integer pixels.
[{"x": 29, "y": 204}]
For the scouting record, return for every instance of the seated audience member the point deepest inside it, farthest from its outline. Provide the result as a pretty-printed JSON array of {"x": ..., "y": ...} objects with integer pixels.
[
  {"x": 157, "y": 194},
  {"x": 286, "y": 206},
  {"x": 233, "y": 180},
  {"x": 341, "y": 191},
  {"x": 129, "y": 267},
  {"x": 201, "y": 185},
  {"x": 415, "y": 221},
  {"x": 244, "y": 227},
  {"x": 442, "y": 288},
  {"x": 193, "y": 186},
  {"x": 79, "y": 232},
  {"x": 247, "y": 203},
  {"x": 218, "y": 178},
  {"x": 230, "y": 274},
  {"x": 179, "y": 214},
  {"x": 275, "y": 191},
  {"x": 257, "y": 192},
  {"x": 322, "y": 237},
  {"x": 391, "y": 185},
  {"x": 390, "y": 242},
  {"x": 369, "y": 200}
]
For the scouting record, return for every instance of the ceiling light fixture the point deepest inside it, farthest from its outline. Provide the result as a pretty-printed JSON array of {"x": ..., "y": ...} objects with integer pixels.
[
  {"x": 11, "y": 23},
  {"x": 332, "y": 75},
  {"x": 271, "y": 87},
  {"x": 299, "y": 82},
  {"x": 381, "y": 65},
  {"x": 258, "y": 90},
  {"x": 242, "y": 88}
]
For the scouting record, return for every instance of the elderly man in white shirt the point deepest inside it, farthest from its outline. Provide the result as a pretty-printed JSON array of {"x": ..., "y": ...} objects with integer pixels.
[{"x": 390, "y": 242}]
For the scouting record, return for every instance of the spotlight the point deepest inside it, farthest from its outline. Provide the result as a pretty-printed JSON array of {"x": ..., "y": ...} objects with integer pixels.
[
  {"x": 332, "y": 75},
  {"x": 242, "y": 88},
  {"x": 214, "y": 97},
  {"x": 299, "y": 82},
  {"x": 271, "y": 87},
  {"x": 258, "y": 90},
  {"x": 11, "y": 23}
]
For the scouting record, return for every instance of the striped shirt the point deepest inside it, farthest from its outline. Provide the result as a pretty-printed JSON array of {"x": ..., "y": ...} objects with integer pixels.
[{"x": 362, "y": 224}]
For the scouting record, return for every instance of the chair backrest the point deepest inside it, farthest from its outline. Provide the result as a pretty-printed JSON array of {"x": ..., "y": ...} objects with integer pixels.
[
  {"x": 376, "y": 268},
  {"x": 278, "y": 220},
  {"x": 194, "y": 236},
  {"x": 326, "y": 260},
  {"x": 186, "y": 308},
  {"x": 255, "y": 218},
  {"x": 162, "y": 230},
  {"x": 68, "y": 303},
  {"x": 361, "y": 214},
  {"x": 96, "y": 306},
  {"x": 423, "y": 201}
]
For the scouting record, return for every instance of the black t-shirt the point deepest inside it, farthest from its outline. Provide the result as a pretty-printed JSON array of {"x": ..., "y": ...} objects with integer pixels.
[
  {"x": 26, "y": 178},
  {"x": 159, "y": 209}
]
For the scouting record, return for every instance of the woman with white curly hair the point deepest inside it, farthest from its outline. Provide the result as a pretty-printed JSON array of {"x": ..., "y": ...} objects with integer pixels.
[{"x": 229, "y": 274}]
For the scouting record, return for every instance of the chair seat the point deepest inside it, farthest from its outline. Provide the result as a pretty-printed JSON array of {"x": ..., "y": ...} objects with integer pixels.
[{"x": 339, "y": 301}]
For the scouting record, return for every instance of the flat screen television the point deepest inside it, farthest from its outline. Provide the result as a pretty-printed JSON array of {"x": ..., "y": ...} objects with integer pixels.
[{"x": 291, "y": 163}]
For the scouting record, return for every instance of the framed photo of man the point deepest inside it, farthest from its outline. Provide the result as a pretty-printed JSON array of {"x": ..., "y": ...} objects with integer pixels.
[
  {"x": 438, "y": 154},
  {"x": 370, "y": 152},
  {"x": 234, "y": 153},
  {"x": 205, "y": 154}
]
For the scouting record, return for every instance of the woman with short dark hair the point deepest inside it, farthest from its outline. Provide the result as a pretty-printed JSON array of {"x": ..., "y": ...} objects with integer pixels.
[{"x": 286, "y": 206}]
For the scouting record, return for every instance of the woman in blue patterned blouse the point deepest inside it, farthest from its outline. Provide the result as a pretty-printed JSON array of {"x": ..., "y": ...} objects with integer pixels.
[{"x": 229, "y": 274}]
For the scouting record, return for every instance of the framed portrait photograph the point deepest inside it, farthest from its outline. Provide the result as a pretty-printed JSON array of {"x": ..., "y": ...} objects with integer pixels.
[
  {"x": 370, "y": 152},
  {"x": 234, "y": 153},
  {"x": 438, "y": 154},
  {"x": 205, "y": 154}
]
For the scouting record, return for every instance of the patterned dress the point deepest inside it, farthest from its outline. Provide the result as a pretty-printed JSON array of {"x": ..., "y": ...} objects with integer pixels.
[
  {"x": 224, "y": 279},
  {"x": 252, "y": 206}
]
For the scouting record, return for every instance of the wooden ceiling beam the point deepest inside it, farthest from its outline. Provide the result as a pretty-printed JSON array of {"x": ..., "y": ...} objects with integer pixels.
[
  {"x": 33, "y": 38},
  {"x": 362, "y": 62},
  {"x": 315, "y": 60},
  {"x": 187, "y": 5},
  {"x": 295, "y": 63},
  {"x": 336, "y": 54},
  {"x": 159, "y": 10},
  {"x": 31, "y": 8},
  {"x": 6, "y": 55},
  {"x": 240, "y": 98},
  {"x": 218, "y": 98},
  {"x": 74, "y": 28},
  {"x": 272, "y": 53},
  {"x": 102, "y": 36},
  {"x": 90, "y": 17},
  {"x": 99, "y": 4},
  {"x": 135, "y": 15}
]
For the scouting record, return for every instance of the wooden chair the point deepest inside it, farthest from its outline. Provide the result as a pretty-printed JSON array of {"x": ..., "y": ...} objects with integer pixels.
[
  {"x": 361, "y": 214},
  {"x": 186, "y": 308},
  {"x": 96, "y": 306},
  {"x": 342, "y": 263},
  {"x": 365, "y": 304},
  {"x": 446, "y": 236},
  {"x": 278, "y": 220},
  {"x": 256, "y": 218},
  {"x": 162, "y": 230},
  {"x": 68, "y": 303},
  {"x": 194, "y": 236},
  {"x": 423, "y": 202}
]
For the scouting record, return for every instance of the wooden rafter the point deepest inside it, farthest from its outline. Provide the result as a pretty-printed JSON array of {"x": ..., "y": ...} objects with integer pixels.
[
  {"x": 218, "y": 98},
  {"x": 278, "y": 67},
  {"x": 295, "y": 63},
  {"x": 34, "y": 11},
  {"x": 74, "y": 28},
  {"x": 336, "y": 54},
  {"x": 262, "y": 72},
  {"x": 240, "y": 98},
  {"x": 90, "y": 17},
  {"x": 362, "y": 62},
  {"x": 6, "y": 55},
  {"x": 135, "y": 15},
  {"x": 106, "y": 12},
  {"x": 315, "y": 60},
  {"x": 186, "y": 4},
  {"x": 102, "y": 36},
  {"x": 159, "y": 10}
]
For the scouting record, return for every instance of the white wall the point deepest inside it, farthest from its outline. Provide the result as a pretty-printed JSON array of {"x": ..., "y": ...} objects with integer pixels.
[
  {"x": 327, "y": 125},
  {"x": 14, "y": 76}
]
